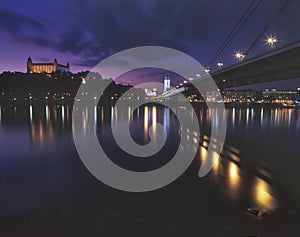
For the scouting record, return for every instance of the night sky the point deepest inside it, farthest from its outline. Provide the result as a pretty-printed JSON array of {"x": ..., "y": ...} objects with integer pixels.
[{"x": 83, "y": 32}]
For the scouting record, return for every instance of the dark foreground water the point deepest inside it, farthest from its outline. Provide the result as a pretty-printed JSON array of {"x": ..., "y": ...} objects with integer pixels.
[{"x": 41, "y": 172}]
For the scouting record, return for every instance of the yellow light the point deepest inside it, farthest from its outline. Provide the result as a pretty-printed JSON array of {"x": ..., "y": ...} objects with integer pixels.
[
  {"x": 233, "y": 174},
  {"x": 263, "y": 196},
  {"x": 146, "y": 114},
  {"x": 239, "y": 56},
  {"x": 271, "y": 41}
]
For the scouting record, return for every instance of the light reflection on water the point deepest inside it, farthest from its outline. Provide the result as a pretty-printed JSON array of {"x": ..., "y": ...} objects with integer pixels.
[
  {"x": 263, "y": 196},
  {"x": 229, "y": 171},
  {"x": 234, "y": 177},
  {"x": 250, "y": 131}
]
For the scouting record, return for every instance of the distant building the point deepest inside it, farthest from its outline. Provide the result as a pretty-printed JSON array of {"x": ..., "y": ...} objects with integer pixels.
[
  {"x": 167, "y": 83},
  {"x": 46, "y": 67},
  {"x": 242, "y": 96},
  {"x": 149, "y": 92},
  {"x": 280, "y": 96},
  {"x": 298, "y": 96}
]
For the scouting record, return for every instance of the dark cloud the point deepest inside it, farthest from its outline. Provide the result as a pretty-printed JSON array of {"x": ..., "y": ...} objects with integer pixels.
[
  {"x": 14, "y": 22},
  {"x": 100, "y": 28},
  {"x": 86, "y": 62},
  {"x": 94, "y": 30},
  {"x": 122, "y": 24},
  {"x": 24, "y": 28},
  {"x": 106, "y": 27}
]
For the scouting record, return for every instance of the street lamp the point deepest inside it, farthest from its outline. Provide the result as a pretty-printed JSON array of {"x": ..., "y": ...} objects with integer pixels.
[
  {"x": 220, "y": 65},
  {"x": 239, "y": 56},
  {"x": 271, "y": 41}
]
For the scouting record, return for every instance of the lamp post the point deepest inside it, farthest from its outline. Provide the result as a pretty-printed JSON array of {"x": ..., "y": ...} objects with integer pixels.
[
  {"x": 220, "y": 65},
  {"x": 271, "y": 41}
]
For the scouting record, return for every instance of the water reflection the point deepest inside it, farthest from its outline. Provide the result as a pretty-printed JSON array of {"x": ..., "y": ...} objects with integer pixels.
[
  {"x": 63, "y": 114},
  {"x": 233, "y": 173},
  {"x": 166, "y": 119},
  {"x": 146, "y": 120},
  {"x": 234, "y": 179},
  {"x": 227, "y": 170},
  {"x": 30, "y": 113},
  {"x": 47, "y": 113},
  {"x": 263, "y": 195},
  {"x": 45, "y": 125},
  {"x": 154, "y": 121},
  {"x": 42, "y": 135},
  {"x": 264, "y": 117}
]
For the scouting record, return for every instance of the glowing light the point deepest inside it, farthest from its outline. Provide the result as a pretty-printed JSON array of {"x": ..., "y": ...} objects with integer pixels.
[
  {"x": 146, "y": 115},
  {"x": 234, "y": 179},
  {"x": 154, "y": 115},
  {"x": 239, "y": 55},
  {"x": 129, "y": 112},
  {"x": 271, "y": 41},
  {"x": 263, "y": 196},
  {"x": 63, "y": 114},
  {"x": 220, "y": 65},
  {"x": 47, "y": 113},
  {"x": 203, "y": 153},
  {"x": 95, "y": 115},
  {"x": 233, "y": 173},
  {"x": 30, "y": 113}
]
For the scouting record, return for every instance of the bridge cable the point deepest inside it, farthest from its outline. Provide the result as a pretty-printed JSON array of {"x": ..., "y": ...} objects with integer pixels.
[
  {"x": 274, "y": 17},
  {"x": 241, "y": 22}
]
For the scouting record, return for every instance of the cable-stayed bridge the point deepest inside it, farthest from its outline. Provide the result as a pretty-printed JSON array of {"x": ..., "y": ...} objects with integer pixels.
[{"x": 278, "y": 64}]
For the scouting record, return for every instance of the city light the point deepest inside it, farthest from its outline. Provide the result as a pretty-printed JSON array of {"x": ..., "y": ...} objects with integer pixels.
[
  {"x": 239, "y": 56},
  {"x": 271, "y": 41},
  {"x": 220, "y": 65},
  {"x": 207, "y": 70}
]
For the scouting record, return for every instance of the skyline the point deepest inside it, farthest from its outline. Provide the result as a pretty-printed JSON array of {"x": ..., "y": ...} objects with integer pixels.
[{"x": 196, "y": 28}]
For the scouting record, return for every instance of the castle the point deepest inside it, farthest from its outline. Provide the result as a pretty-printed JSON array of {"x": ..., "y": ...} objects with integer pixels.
[{"x": 46, "y": 67}]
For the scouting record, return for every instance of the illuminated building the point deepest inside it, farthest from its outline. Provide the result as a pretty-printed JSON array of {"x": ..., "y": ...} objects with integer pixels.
[
  {"x": 167, "y": 83},
  {"x": 46, "y": 67},
  {"x": 279, "y": 96}
]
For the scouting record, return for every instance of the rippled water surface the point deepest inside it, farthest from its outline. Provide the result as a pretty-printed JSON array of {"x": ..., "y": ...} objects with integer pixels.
[{"x": 40, "y": 168}]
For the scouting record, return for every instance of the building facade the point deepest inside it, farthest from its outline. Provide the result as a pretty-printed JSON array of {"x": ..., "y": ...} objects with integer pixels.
[
  {"x": 46, "y": 67},
  {"x": 167, "y": 83}
]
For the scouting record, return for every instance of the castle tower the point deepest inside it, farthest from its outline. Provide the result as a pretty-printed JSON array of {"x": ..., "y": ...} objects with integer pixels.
[
  {"x": 29, "y": 65},
  {"x": 167, "y": 83},
  {"x": 55, "y": 65}
]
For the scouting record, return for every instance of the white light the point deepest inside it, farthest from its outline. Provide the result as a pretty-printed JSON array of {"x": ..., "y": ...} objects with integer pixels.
[
  {"x": 271, "y": 41},
  {"x": 239, "y": 56},
  {"x": 220, "y": 65}
]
